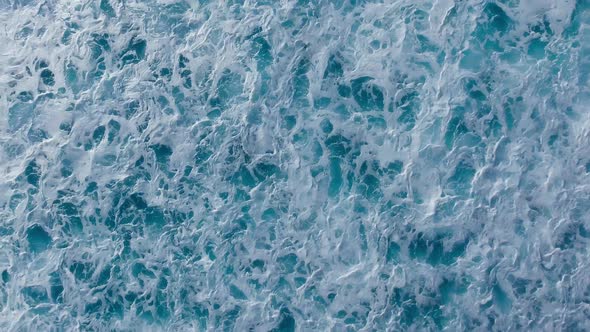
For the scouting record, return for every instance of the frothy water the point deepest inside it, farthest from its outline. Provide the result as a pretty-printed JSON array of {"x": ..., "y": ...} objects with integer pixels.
[{"x": 281, "y": 165}]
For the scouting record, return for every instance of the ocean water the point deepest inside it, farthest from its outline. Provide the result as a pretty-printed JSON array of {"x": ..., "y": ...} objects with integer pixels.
[{"x": 327, "y": 165}]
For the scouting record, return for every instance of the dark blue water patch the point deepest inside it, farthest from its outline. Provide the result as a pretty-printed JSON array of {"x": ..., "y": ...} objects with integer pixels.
[
  {"x": 536, "y": 48},
  {"x": 139, "y": 270},
  {"x": 254, "y": 117},
  {"x": 66, "y": 38},
  {"x": 473, "y": 89},
  {"x": 407, "y": 118},
  {"x": 300, "y": 83},
  {"x": 15, "y": 200},
  {"x": 501, "y": 299},
  {"x": 155, "y": 217},
  {"x": 82, "y": 271},
  {"x": 25, "y": 96},
  {"x": 455, "y": 129},
  {"x": 541, "y": 27},
  {"x": 355, "y": 319},
  {"x": 229, "y": 86},
  {"x": 376, "y": 123},
  {"x": 24, "y": 32},
  {"x": 336, "y": 180},
  {"x": 35, "y": 295},
  {"x": 393, "y": 252},
  {"x": 263, "y": 171},
  {"x": 185, "y": 73},
  {"x": 370, "y": 187},
  {"x": 394, "y": 167},
  {"x": 114, "y": 127},
  {"x": 165, "y": 73},
  {"x": 497, "y": 18},
  {"x": 262, "y": 52},
  {"x": 99, "y": 44},
  {"x": 47, "y": 77},
  {"x": 425, "y": 45},
  {"x": 338, "y": 145},
  {"x": 493, "y": 22},
  {"x": 134, "y": 53},
  {"x": 432, "y": 248},
  {"x": 38, "y": 238},
  {"x": 367, "y": 94},
  {"x": 106, "y": 8},
  {"x": 102, "y": 309},
  {"x": 287, "y": 262},
  {"x": 578, "y": 17},
  {"x": 236, "y": 293},
  {"x": 131, "y": 209},
  {"x": 569, "y": 235},
  {"x": 244, "y": 177},
  {"x": 322, "y": 102},
  {"x": 162, "y": 152},
  {"x": 37, "y": 135},
  {"x": 131, "y": 108},
  {"x": 56, "y": 288},
  {"x": 289, "y": 122},
  {"x": 413, "y": 313},
  {"x": 449, "y": 289},
  {"x": 492, "y": 31},
  {"x": 286, "y": 321},
  {"x": 344, "y": 90},
  {"x": 68, "y": 215},
  {"x": 326, "y": 126},
  {"x": 269, "y": 214},
  {"x": 98, "y": 134},
  {"x": 226, "y": 320},
  {"x": 183, "y": 61},
  {"x": 460, "y": 180},
  {"x": 334, "y": 68},
  {"x": 202, "y": 155},
  {"x": 238, "y": 226},
  {"x": 103, "y": 276}
]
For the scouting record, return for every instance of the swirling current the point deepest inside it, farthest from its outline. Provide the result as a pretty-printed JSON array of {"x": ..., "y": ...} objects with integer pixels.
[{"x": 282, "y": 165}]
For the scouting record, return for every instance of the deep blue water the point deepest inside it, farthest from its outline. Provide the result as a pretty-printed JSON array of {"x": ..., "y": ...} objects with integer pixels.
[{"x": 328, "y": 165}]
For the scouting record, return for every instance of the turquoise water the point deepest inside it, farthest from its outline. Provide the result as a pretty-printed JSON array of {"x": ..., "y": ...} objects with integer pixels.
[{"x": 341, "y": 165}]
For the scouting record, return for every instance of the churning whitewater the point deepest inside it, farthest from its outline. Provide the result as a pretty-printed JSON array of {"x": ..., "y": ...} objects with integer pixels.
[{"x": 326, "y": 165}]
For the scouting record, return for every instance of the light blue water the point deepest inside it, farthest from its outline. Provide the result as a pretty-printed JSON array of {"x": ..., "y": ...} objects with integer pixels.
[{"x": 289, "y": 165}]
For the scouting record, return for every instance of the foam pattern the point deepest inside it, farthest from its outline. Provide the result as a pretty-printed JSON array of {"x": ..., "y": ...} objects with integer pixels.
[{"x": 327, "y": 165}]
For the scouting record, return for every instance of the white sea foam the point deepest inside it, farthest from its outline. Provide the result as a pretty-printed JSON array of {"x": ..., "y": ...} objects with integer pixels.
[{"x": 322, "y": 165}]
